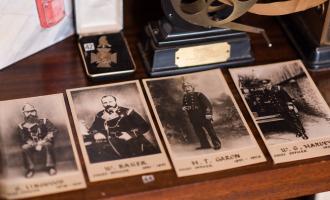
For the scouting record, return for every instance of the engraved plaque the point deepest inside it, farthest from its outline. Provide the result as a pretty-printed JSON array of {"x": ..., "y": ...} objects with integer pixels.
[{"x": 203, "y": 54}]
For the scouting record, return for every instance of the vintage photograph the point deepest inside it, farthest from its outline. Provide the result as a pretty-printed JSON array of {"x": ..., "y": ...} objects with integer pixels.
[
  {"x": 199, "y": 120},
  {"x": 1, "y": 160},
  {"x": 286, "y": 106},
  {"x": 37, "y": 147},
  {"x": 115, "y": 130}
]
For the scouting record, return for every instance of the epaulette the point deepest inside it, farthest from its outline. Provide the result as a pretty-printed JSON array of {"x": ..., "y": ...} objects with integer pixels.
[
  {"x": 123, "y": 110},
  {"x": 130, "y": 111},
  {"x": 99, "y": 114},
  {"x": 21, "y": 125}
]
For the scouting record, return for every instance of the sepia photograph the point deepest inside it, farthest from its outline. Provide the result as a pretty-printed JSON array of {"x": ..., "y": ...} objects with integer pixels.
[
  {"x": 1, "y": 160},
  {"x": 200, "y": 119},
  {"x": 37, "y": 147},
  {"x": 286, "y": 106},
  {"x": 115, "y": 130}
]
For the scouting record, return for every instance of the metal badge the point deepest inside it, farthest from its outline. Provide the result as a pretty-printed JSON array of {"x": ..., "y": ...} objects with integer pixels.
[{"x": 103, "y": 58}]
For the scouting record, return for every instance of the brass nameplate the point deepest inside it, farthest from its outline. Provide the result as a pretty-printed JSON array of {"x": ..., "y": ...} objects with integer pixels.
[{"x": 203, "y": 54}]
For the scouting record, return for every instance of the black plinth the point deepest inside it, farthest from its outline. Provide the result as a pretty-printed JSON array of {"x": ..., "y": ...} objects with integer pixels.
[
  {"x": 161, "y": 42},
  {"x": 314, "y": 55}
]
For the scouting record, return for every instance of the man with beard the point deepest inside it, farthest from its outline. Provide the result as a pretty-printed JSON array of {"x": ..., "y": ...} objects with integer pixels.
[
  {"x": 118, "y": 133},
  {"x": 37, "y": 135},
  {"x": 199, "y": 110}
]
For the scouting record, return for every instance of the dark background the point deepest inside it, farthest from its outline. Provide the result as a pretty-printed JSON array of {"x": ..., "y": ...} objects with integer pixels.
[
  {"x": 87, "y": 103},
  {"x": 167, "y": 95},
  {"x": 312, "y": 110},
  {"x": 300, "y": 89}
]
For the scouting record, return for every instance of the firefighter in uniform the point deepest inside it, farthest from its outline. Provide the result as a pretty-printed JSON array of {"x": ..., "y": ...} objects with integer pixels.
[
  {"x": 199, "y": 110},
  {"x": 284, "y": 104},
  {"x": 120, "y": 131},
  {"x": 36, "y": 135}
]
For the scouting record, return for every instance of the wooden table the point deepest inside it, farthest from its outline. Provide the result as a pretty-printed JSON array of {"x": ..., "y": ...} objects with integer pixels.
[{"x": 59, "y": 67}]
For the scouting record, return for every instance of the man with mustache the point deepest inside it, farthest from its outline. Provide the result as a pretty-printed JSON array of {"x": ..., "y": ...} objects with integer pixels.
[
  {"x": 37, "y": 135},
  {"x": 120, "y": 131}
]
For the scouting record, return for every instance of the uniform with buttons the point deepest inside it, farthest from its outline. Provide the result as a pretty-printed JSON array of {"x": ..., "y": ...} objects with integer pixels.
[
  {"x": 199, "y": 110},
  {"x": 112, "y": 125}
]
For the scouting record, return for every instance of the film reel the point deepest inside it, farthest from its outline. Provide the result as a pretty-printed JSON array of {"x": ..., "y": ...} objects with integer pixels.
[
  {"x": 284, "y": 7},
  {"x": 199, "y": 12},
  {"x": 222, "y": 13}
]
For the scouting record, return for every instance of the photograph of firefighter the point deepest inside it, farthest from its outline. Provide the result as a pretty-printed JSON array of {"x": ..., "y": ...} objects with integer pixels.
[
  {"x": 114, "y": 123},
  {"x": 115, "y": 130},
  {"x": 197, "y": 113},
  {"x": 123, "y": 129},
  {"x": 37, "y": 144},
  {"x": 283, "y": 101}
]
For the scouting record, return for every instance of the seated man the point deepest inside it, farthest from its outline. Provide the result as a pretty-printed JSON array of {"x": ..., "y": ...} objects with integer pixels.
[
  {"x": 118, "y": 133},
  {"x": 36, "y": 135}
]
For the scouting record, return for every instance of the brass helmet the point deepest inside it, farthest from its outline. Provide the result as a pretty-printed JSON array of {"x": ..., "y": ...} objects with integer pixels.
[
  {"x": 187, "y": 84},
  {"x": 103, "y": 42}
]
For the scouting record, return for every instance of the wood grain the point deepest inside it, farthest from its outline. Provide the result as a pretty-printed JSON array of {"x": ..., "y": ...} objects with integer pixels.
[{"x": 58, "y": 68}]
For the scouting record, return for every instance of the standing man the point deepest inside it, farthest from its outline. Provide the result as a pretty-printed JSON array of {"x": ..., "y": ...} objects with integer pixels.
[
  {"x": 36, "y": 135},
  {"x": 120, "y": 131},
  {"x": 199, "y": 110}
]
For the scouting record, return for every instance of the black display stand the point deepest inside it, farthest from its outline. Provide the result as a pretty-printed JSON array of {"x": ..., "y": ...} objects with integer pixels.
[
  {"x": 314, "y": 55},
  {"x": 161, "y": 41}
]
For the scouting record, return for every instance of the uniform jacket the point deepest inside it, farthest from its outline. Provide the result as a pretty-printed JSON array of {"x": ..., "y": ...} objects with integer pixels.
[
  {"x": 278, "y": 97},
  {"x": 43, "y": 129},
  {"x": 126, "y": 120},
  {"x": 197, "y": 105}
]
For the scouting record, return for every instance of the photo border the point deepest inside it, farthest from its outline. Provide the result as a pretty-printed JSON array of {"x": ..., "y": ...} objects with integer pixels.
[
  {"x": 294, "y": 150},
  {"x": 48, "y": 185},
  {"x": 103, "y": 170},
  {"x": 211, "y": 162}
]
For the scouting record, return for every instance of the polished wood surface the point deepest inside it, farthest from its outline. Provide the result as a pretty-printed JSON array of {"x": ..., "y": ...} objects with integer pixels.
[{"x": 59, "y": 67}]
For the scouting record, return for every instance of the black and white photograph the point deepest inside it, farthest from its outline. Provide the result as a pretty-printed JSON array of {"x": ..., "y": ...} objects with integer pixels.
[
  {"x": 116, "y": 133},
  {"x": 38, "y": 155},
  {"x": 201, "y": 124},
  {"x": 289, "y": 111}
]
